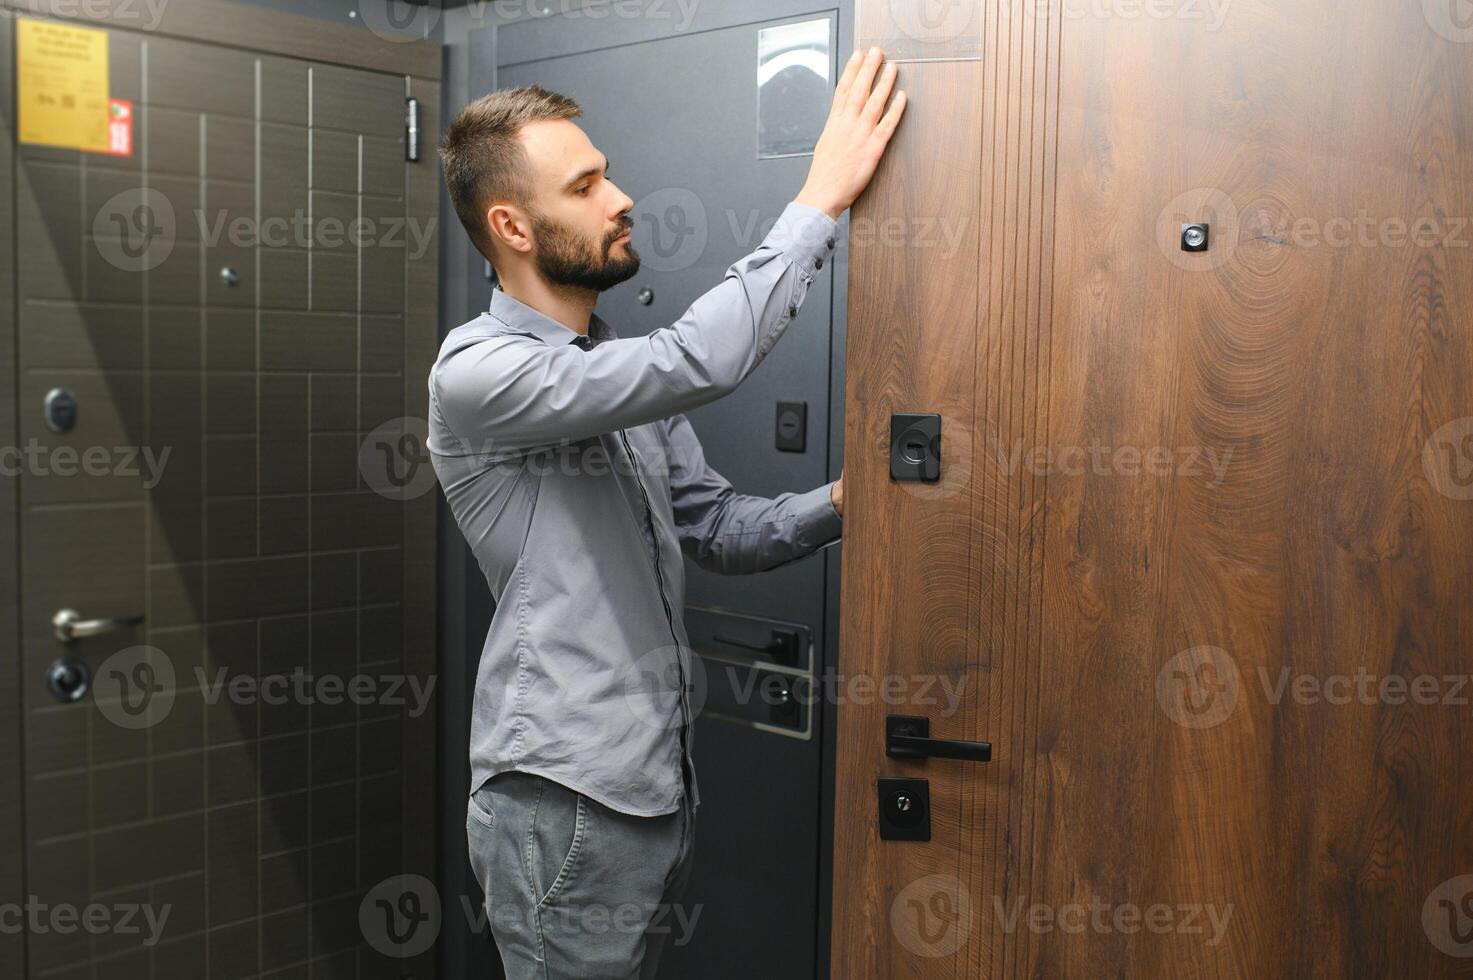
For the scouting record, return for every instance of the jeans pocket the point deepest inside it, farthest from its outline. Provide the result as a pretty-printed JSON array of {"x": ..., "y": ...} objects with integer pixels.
[
  {"x": 479, "y": 807},
  {"x": 555, "y": 840}
]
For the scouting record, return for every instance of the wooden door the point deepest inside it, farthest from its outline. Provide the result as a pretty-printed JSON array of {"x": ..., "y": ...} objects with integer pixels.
[{"x": 1199, "y": 557}]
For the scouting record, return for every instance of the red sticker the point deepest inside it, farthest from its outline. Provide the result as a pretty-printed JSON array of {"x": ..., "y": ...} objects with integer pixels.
[{"x": 120, "y": 127}]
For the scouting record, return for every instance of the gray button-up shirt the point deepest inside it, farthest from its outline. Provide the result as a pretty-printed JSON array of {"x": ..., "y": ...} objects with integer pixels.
[{"x": 578, "y": 484}]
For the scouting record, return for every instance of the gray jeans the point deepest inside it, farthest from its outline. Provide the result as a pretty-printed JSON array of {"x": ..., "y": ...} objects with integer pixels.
[{"x": 573, "y": 888}]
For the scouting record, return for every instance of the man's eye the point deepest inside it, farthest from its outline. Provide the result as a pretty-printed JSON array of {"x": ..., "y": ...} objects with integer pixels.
[{"x": 583, "y": 190}]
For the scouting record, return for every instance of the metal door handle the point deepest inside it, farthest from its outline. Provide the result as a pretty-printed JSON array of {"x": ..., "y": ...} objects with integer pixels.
[
  {"x": 783, "y": 646},
  {"x": 68, "y": 625},
  {"x": 908, "y": 737}
]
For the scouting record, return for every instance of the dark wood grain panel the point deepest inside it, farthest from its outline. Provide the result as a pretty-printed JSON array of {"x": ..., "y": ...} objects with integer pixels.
[
  {"x": 913, "y": 305},
  {"x": 1017, "y": 159},
  {"x": 1192, "y": 479},
  {"x": 1315, "y": 830}
]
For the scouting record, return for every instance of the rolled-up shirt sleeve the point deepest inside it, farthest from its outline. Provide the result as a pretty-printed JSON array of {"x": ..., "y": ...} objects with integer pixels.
[
  {"x": 515, "y": 392},
  {"x": 735, "y": 533}
]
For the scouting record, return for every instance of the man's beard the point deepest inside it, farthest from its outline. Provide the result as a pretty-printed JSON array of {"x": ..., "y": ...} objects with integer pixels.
[{"x": 566, "y": 259}]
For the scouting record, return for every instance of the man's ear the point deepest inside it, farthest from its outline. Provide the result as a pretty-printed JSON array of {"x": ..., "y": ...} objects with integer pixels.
[{"x": 509, "y": 226}]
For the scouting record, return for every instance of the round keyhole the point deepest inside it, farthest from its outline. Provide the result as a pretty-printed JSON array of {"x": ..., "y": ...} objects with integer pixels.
[
  {"x": 68, "y": 679},
  {"x": 914, "y": 446}
]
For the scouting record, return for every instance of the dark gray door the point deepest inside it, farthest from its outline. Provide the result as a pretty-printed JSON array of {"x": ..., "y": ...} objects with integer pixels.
[
  {"x": 12, "y": 852},
  {"x": 677, "y": 116},
  {"x": 224, "y": 524}
]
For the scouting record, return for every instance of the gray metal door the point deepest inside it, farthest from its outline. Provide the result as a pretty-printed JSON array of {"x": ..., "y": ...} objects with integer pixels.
[
  {"x": 677, "y": 115},
  {"x": 213, "y": 514}
]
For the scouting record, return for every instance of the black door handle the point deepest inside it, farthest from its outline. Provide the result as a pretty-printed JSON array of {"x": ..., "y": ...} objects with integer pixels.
[
  {"x": 909, "y": 737},
  {"x": 782, "y": 648}
]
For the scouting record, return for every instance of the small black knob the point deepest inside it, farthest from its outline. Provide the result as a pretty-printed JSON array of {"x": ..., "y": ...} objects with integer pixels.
[
  {"x": 1195, "y": 237},
  {"x": 646, "y": 296}
]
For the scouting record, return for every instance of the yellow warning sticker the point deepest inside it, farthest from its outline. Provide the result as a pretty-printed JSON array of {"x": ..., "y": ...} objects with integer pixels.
[{"x": 61, "y": 85}]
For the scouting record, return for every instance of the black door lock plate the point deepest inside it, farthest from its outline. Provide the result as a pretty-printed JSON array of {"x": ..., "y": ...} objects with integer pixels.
[
  {"x": 792, "y": 426},
  {"x": 905, "y": 809},
  {"x": 915, "y": 446}
]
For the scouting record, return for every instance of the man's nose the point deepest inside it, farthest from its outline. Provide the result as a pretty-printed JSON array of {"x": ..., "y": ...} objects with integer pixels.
[{"x": 626, "y": 203}]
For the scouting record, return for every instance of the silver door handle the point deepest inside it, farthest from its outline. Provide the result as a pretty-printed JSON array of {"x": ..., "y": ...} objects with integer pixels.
[{"x": 69, "y": 626}]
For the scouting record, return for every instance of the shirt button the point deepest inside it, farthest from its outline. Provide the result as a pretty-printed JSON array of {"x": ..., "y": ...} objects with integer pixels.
[
  {"x": 792, "y": 311},
  {"x": 818, "y": 263},
  {"x": 830, "y": 243}
]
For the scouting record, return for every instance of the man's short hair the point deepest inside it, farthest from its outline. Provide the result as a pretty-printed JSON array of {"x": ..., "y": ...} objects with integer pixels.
[{"x": 484, "y": 161}]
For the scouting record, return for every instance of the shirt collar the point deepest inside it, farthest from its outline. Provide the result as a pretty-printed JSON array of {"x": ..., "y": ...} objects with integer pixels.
[{"x": 524, "y": 319}]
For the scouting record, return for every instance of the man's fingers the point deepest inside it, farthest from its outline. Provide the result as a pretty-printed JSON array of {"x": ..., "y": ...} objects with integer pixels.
[
  {"x": 891, "y": 118},
  {"x": 880, "y": 95},
  {"x": 846, "y": 80},
  {"x": 859, "y": 91}
]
